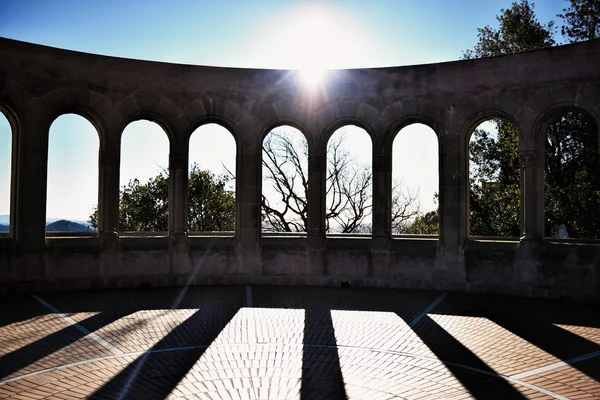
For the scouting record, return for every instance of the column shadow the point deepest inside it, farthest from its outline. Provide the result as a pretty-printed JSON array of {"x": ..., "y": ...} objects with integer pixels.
[
  {"x": 449, "y": 349},
  {"x": 42, "y": 348},
  {"x": 154, "y": 375},
  {"x": 543, "y": 333},
  {"x": 321, "y": 370}
]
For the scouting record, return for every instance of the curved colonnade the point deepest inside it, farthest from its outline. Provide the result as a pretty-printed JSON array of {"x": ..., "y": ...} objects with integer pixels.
[{"x": 38, "y": 84}]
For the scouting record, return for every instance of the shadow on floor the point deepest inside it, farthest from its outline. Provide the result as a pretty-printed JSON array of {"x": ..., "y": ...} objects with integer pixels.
[{"x": 156, "y": 374}]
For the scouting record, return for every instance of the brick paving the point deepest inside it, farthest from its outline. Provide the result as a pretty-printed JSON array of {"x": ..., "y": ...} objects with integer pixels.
[{"x": 295, "y": 343}]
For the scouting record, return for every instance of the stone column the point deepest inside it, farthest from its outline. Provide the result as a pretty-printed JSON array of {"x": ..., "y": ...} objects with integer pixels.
[
  {"x": 31, "y": 181},
  {"x": 453, "y": 210},
  {"x": 382, "y": 200},
  {"x": 316, "y": 197},
  {"x": 178, "y": 191},
  {"x": 453, "y": 207},
  {"x": 532, "y": 196},
  {"x": 178, "y": 209},
  {"x": 248, "y": 221},
  {"x": 382, "y": 216},
  {"x": 532, "y": 218},
  {"x": 109, "y": 166}
]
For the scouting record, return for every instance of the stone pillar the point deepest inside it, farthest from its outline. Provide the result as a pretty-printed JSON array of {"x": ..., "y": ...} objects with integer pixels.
[
  {"x": 32, "y": 173},
  {"x": 532, "y": 206},
  {"x": 109, "y": 166},
  {"x": 532, "y": 196},
  {"x": 316, "y": 197},
  {"x": 453, "y": 210},
  {"x": 453, "y": 207},
  {"x": 248, "y": 221},
  {"x": 178, "y": 209},
  {"x": 382, "y": 201},
  {"x": 178, "y": 191}
]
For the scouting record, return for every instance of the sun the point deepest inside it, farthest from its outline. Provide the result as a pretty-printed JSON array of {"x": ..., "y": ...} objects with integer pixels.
[
  {"x": 312, "y": 76},
  {"x": 316, "y": 41}
]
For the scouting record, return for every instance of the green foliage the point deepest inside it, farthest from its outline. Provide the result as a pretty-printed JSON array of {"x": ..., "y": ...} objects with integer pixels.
[
  {"x": 582, "y": 20},
  {"x": 572, "y": 176},
  {"x": 211, "y": 205},
  {"x": 518, "y": 31},
  {"x": 425, "y": 224},
  {"x": 572, "y": 173},
  {"x": 144, "y": 207},
  {"x": 495, "y": 181}
]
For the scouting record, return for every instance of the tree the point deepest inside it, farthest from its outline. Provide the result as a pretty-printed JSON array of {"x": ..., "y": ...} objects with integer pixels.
[
  {"x": 495, "y": 181},
  {"x": 494, "y": 158},
  {"x": 582, "y": 20},
  {"x": 211, "y": 207},
  {"x": 144, "y": 207},
  {"x": 426, "y": 224},
  {"x": 572, "y": 158},
  {"x": 348, "y": 188},
  {"x": 518, "y": 31},
  {"x": 572, "y": 176}
]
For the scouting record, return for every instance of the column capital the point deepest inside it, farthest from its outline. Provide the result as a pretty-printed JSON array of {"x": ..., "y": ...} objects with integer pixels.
[{"x": 527, "y": 158}]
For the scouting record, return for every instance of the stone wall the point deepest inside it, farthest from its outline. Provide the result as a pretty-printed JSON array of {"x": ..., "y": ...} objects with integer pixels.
[{"x": 38, "y": 84}]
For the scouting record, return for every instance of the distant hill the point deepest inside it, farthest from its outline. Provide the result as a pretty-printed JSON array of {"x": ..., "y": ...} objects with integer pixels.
[
  {"x": 66, "y": 226},
  {"x": 53, "y": 225}
]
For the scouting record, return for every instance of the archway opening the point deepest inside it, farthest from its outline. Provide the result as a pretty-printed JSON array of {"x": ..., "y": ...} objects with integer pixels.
[
  {"x": 6, "y": 139},
  {"x": 349, "y": 181},
  {"x": 415, "y": 177},
  {"x": 211, "y": 180},
  {"x": 144, "y": 178},
  {"x": 572, "y": 177},
  {"x": 494, "y": 180},
  {"x": 284, "y": 205},
  {"x": 72, "y": 187}
]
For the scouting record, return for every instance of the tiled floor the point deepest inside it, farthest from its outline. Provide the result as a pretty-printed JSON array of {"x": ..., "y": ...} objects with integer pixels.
[{"x": 295, "y": 343}]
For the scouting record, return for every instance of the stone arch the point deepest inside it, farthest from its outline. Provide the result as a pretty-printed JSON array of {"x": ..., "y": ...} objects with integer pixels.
[
  {"x": 13, "y": 95},
  {"x": 391, "y": 136},
  {"x": 472, "y": 122},
  {"x": 365, "y": 185},
  {"x": 151, "y": 116},
  {"x": 163, "y": 112},
  {"x": 545, "y": 118},
  {"x": 193, "y": 219},
  {"x": 72, "y": 129},
  {"x": 279, "y": 122},
  {"x": 85, "y": 103},
  {"x": 466, "y": 131},
  {"x": 212, "y": 119},
  {"x": 333, "y": 126},
  {"x": 11, "y": 114},
  {"x": 161, "y": 147},
  {"x": 14, "y": 117},
  {"x": 561, "y": 214},
  {"x": 284, "y": 109},
  {"x": 547, "y": 100},
  {"x": 280, "y": 167},
  {"x": 398, "y": 124}
]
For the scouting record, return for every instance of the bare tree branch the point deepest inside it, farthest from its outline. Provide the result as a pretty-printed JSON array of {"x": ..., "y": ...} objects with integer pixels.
[{"x": 349, "y": 188}]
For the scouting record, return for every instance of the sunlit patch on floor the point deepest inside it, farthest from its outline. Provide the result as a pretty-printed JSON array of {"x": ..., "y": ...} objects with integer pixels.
[
  {"x": 259, "y": 353},
  {"x": 411, "y": 368},
  {"x": 507, "y": 353}
]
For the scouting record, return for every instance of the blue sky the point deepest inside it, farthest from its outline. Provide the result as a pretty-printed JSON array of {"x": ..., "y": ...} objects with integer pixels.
[{"x": 258, "y": 33}]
